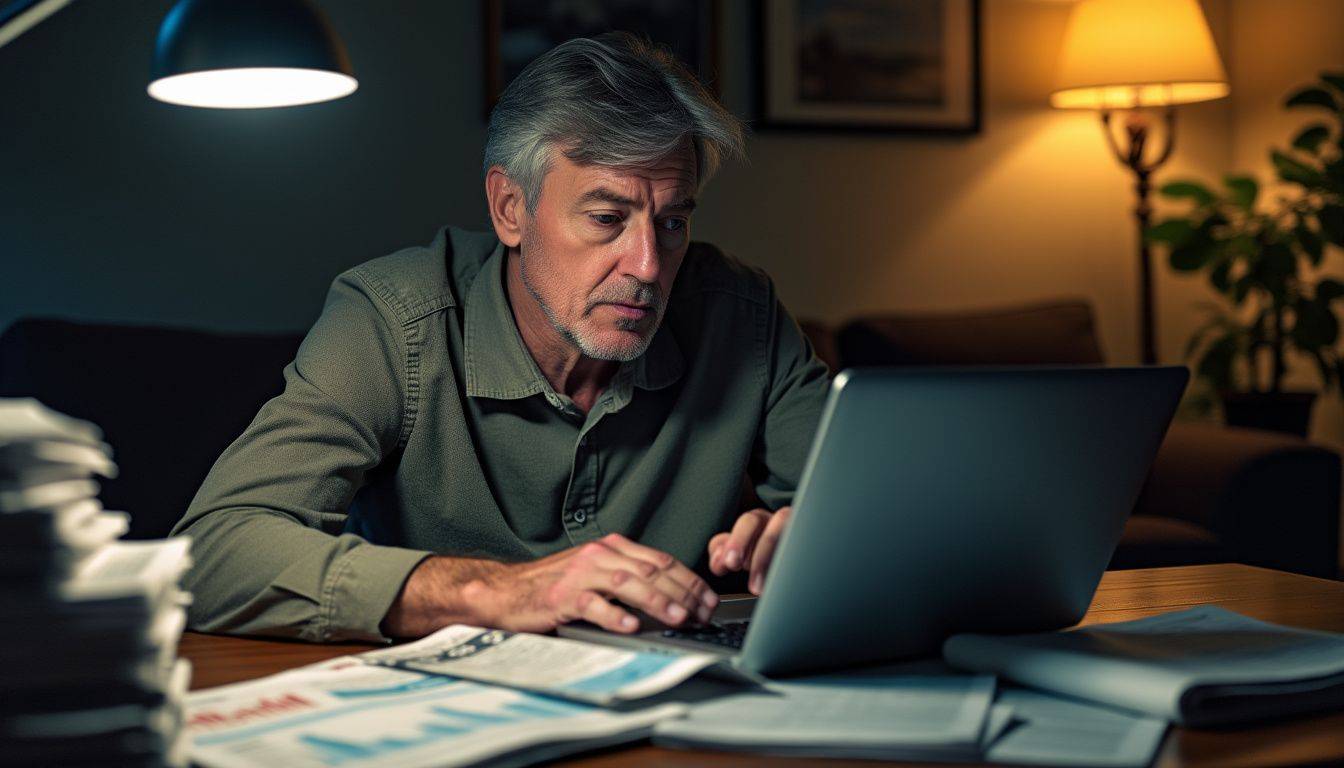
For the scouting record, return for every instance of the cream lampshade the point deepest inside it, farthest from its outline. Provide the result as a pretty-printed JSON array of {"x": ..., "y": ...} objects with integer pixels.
[{"x": 1130, "y": 54}]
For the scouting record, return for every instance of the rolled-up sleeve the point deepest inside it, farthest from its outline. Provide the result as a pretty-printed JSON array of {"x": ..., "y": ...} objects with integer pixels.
[{"x": 270, "y": 555}]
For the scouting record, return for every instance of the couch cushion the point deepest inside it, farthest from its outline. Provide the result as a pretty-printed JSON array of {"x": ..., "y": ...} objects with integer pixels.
[
  {"x": 1153, "y": 542},
  {"x": 1058, "y": 333},
  {"x": 169, "y": 400}
]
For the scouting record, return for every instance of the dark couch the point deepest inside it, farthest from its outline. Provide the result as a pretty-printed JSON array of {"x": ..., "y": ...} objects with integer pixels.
[
  {"x": 171, "y": 400},
  {"x": 1214, "y": 494}
]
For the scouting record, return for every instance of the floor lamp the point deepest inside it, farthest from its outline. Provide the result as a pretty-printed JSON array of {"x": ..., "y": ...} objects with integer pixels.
[{"x": 1127, "y": 55}]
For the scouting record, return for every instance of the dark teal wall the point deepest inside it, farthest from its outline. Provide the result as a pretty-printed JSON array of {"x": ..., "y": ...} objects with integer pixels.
[{"x": 114, "y": 206}]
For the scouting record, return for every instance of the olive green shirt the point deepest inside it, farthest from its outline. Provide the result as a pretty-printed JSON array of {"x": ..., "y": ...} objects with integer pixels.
[{"x": 414, "y": 421}]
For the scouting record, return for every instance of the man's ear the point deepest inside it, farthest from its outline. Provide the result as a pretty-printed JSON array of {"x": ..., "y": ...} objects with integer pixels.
[{"x": 505, "y": 200}]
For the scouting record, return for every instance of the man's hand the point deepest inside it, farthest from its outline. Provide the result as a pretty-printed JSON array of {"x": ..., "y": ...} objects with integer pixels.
[
  {"x": 577, "y": 583},
  {"x": 750, "y": 545}
]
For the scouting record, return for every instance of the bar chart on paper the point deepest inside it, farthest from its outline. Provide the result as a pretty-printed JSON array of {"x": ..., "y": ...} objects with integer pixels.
[{"x": 353, "y": 715}]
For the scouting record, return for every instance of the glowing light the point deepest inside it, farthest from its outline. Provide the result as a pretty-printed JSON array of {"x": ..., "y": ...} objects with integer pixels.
[{"x": 252, "y": 87}]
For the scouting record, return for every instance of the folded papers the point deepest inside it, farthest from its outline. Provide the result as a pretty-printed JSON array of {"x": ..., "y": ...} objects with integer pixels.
[
  {"x": 93, "y": 676},
  {"x": 1199, "y": 667}
]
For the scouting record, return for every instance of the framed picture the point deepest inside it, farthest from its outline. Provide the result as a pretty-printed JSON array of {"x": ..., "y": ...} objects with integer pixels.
[
  {"x": 875, "y": 65},
  {"x": 518, "y": 31}
]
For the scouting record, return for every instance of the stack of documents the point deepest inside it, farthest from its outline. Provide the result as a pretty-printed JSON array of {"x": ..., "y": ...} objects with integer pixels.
[
  {"x": 1199, "y": 667},
  {"x": 91, "y": 624}
]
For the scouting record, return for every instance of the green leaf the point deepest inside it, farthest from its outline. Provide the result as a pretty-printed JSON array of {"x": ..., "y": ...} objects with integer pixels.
[
  {"x": 1215, "y": 364},
  {"x": 1277, "y": 260},
  {"x": 1327, "y": 370},
  {"x": 1311, "y": 137},
  {"x": 1334, "y": 174},
  {"x": 1242, "y": 190},
  {"x": 1312, "y": 97},
  {"x": 1220, "y": 277},
  {"x": 1241, "y": 288},
  {"x": 1310, "y": 242},
  {"x": 1188, "y": 189},
  {"x": 1294, "y": 171},
  {"x": 1171, "y": 231},
  {"x": 1328, "y": 290},
  {"x": 1316, "y": 325},
  {"x": 1334, "y": 80},
  {"x": 1331, "y": 217},
  {"x": 1192, "y": 255}
]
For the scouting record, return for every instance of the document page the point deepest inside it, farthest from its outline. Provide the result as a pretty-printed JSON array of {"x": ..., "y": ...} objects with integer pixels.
[
  {"x": 1180, "y": 666},
  {"x": 570, "y": 669},
  {"x": 889, "y": 716},
  {"x": 348, "y": 713},
  {"x": 1044, "y": 729}
]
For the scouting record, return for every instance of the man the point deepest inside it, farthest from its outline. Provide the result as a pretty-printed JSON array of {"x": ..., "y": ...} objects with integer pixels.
[{"x": 551, "y": 423}]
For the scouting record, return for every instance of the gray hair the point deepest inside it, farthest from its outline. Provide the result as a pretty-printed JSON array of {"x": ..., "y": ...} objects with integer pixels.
[{"x": 611, "y": 100}]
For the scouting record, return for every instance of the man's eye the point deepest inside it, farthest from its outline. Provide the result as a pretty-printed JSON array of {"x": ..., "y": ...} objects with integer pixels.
[
  {"x": 674, "y": 225},
  {"x": 605, "y": 219}
]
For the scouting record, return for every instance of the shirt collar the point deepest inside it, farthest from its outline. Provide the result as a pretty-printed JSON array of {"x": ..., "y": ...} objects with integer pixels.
[{"x": 498, "y": 365}]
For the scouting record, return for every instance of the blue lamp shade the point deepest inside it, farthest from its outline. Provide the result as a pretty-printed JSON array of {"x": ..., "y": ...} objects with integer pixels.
[{"x": 236, "y": 54}]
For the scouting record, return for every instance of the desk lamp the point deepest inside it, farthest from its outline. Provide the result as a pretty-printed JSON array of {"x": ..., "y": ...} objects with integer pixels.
[
  {"x": 249, "y": 53},
  {"x": 1128, "y": 55}
]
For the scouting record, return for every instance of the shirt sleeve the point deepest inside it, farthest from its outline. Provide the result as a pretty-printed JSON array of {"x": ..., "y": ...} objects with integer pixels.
[
  {"x": 266, "y": 525},
  {"x": 798, "y": 382}
]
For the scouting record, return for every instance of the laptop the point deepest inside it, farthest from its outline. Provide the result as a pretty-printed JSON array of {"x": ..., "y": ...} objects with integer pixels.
[{"x": 938, "y": 501}]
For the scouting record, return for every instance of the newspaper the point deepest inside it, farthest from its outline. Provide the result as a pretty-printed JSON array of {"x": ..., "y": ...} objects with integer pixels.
[
  {"x": 351, "y": 713},
  {"x": 570, "y": 669}
]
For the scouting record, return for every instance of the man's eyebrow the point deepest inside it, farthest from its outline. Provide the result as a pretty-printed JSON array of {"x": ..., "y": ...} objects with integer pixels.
[
  {"x": 604, "y": 195},
  {"x": 685, "y": 205}
]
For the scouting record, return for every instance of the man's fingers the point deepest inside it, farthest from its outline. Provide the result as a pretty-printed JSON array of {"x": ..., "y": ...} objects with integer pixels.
[
  {"x": 742, "y": 540},
  {"x": 641, "y": 594},
  {"x": 594, "y": 608},
  {"x": 765, "y": 548},
  {"x": 673, "y": 578},
  {"x": 716, "y": 554}
]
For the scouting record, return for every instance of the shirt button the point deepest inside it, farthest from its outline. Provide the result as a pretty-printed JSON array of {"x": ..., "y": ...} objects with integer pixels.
[{"x": 580, "y": 517}]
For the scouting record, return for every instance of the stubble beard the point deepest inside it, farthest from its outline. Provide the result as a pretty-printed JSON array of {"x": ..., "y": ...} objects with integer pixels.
[{"x": 643, "y": 293}]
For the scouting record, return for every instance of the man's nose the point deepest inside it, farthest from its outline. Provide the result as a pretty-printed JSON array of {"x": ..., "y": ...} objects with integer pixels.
[{"x": 642, "y": 260}]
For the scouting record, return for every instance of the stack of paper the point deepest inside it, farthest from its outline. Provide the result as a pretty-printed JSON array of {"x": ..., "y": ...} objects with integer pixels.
[
  {"x": 1201, "y": 667},
  {"x": 89, "y": 651}
]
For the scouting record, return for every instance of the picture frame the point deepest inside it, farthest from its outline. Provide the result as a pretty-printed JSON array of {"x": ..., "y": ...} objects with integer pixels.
[
  {"x": 904, "y": 66},
  {"x": 517, "y": 31}
]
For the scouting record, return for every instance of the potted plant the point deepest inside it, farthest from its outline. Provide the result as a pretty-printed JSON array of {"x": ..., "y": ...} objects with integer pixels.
[{"x": 1262, "y": 258}]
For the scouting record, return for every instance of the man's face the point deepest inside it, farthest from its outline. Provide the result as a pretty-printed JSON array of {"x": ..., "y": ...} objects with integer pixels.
[{"x": 601, "y": 250}]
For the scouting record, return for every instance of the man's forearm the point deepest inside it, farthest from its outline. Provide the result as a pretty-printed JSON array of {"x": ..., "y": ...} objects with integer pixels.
[{"x": 441, "y": 591}]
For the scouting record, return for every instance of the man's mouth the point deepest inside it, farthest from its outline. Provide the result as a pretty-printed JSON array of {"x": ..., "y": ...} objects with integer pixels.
[{"x": 632, "y": 311}]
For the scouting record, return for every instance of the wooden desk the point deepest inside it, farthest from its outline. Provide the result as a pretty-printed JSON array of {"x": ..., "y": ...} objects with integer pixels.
[{"x": 1270, "y": 595}]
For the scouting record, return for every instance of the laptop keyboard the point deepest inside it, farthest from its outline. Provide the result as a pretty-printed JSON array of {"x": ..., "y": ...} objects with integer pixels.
[{"x": 728, "y": 634}]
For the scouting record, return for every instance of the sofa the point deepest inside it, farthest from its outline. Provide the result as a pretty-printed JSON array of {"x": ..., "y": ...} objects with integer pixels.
[
  {"x": 1214, "y": 494},
  {"x": 170, "y": 400}
]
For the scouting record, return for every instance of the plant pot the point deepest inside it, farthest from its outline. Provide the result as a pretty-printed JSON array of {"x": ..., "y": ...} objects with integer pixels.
[{"x": 1288, "y": 412}]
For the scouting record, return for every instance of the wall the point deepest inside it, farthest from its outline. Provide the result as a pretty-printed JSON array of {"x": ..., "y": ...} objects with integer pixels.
[{"x": 115, "y": 206}]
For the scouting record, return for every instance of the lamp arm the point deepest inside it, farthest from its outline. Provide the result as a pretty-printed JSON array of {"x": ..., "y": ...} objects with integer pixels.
[{"x": 1168, "y": 141}]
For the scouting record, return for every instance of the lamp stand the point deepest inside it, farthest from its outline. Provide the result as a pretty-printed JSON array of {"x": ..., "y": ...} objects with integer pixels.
[{"x": 1131, "y": 156}]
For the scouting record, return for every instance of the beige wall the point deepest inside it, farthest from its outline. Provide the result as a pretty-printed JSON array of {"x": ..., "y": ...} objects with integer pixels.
[{"x": 1033, "y": 207}]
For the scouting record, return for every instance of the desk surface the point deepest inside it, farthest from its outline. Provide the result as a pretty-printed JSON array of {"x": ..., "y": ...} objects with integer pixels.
[{"x": 1270, "y": 595}]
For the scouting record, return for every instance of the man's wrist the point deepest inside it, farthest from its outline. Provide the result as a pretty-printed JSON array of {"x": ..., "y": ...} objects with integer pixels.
[{"x": 441, "y": 591}]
